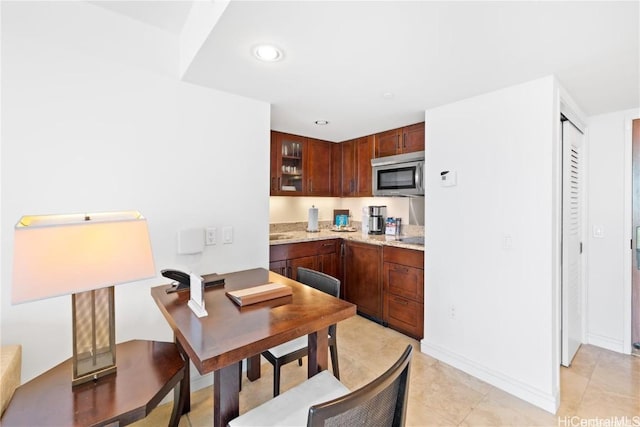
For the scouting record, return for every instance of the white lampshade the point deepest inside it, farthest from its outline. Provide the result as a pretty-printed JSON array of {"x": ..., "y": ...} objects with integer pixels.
[{"x": 65, "y": 254}]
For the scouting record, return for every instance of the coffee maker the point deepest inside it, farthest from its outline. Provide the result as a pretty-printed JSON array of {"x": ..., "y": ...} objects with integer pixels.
[{"x": 377, "y": 216}]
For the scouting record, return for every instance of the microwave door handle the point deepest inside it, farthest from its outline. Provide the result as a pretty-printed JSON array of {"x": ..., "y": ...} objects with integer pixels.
[{"x": 418, "y": 177}]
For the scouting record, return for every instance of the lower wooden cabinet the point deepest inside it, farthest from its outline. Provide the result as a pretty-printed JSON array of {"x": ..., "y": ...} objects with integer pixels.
[
  {"x": 362, "y": 278},
  {"x": 385, "y": 282},
  {"x": 403, "y": 284},
  {"x": 319, "y": 255}
]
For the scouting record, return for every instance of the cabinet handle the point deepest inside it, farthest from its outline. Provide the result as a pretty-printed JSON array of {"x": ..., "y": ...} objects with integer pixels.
[
  {"x": 401, "y": 269},
  {"x": 273, "y": 181},
  {"x": 327, "y": 244},
  {"x": 404, "y": 140},
  {"x": 310, "y": 186},
  {"x": 401, "y": 301},
  {"x": 279, "y": 188}
]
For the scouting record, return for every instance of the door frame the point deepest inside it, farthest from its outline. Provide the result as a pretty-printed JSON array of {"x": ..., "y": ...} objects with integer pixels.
[{"x": 627, "y": 231}]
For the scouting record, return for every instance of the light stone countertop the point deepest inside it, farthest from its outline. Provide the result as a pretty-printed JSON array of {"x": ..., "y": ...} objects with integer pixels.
[{"x": 284, "y": 235}]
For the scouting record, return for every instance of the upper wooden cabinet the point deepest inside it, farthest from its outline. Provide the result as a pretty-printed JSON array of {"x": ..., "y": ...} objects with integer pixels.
[
  {"x": 356, "y": 167},
  {"x": 402, "y": 140},
  {"x": 287, "y": 164},
  {"x": 319, "y": 177},
  {"x": 300, "y": 166}
]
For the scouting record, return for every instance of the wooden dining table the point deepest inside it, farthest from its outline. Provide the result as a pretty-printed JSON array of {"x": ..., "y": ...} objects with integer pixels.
[{"x": 230, "y": 333}]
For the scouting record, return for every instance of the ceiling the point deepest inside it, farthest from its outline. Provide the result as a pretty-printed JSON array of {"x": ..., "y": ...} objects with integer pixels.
[{"x": 370, "y": 66}]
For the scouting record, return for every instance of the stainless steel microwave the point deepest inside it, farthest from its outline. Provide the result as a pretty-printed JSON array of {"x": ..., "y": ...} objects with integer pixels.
[{"x": 399, "y": 175}]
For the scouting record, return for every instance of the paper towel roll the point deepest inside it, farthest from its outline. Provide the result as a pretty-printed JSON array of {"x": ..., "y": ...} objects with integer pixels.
[{"x": 313, "y": 219}]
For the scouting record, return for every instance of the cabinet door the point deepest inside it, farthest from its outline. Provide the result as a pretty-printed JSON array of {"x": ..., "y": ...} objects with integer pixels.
[
  {"x": 348, "y": 168},
  {"x": 336, "y": 170},
  {"x": 318, "y": 170},
  {"x": 328, "y": 264},
  {"x": 310, "y": 262},
  {"x": 287, "y": 174},
  {"x": 328, "y": 257},
  {"x": 388, "y": 143},
  {"x": 413, "y": 138},
  {"x": 364, "y": 152},
  {"x": 279, "y": 267},
  {"x": 274, "y": 173},
  {"x": 363, "y": 285}
]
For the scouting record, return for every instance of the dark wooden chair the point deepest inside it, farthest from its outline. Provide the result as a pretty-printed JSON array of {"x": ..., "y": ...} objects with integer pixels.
[
  {"x": 296, "y": 349},
  {"x": 381, "y": 403}
]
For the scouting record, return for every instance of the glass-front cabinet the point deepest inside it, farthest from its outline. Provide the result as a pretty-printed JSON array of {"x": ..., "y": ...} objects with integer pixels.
[{"x": 287, "y": 166}]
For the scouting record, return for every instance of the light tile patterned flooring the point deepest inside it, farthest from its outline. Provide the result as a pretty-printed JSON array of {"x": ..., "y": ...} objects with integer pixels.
[{"x": 600, "y": 385}]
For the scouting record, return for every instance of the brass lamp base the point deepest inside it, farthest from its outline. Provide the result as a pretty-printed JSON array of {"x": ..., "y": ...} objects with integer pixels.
[{"x": 94, "y": 338}]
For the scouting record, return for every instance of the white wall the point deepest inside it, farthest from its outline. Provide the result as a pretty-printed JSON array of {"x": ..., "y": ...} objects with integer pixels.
[
  {"x": 92, "y": 121},
  {"x": 490, "y": 292},
  {"x": 608, "y": 266}
]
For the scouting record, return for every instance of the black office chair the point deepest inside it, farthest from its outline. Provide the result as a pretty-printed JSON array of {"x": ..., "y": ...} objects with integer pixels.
[
  {"x": 296, "y": 349},
  {"x": 381, "y": 403}
]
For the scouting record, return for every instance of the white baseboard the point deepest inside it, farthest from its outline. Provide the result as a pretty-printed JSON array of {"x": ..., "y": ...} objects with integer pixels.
[
  {"x": 606, "y": 342},
  {"x": 546, "y": 401}
]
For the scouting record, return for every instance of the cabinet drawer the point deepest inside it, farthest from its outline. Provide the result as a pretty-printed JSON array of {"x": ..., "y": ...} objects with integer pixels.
[
  {"x": 409, "y": 257},
  {"x": 303, "y": 249},
  {"x": 404, "y": 315},
  {"x": 404, "y": 281}
]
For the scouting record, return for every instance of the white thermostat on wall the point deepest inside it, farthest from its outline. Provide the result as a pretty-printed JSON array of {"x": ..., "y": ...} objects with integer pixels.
[{"x": 448, "y": 178}]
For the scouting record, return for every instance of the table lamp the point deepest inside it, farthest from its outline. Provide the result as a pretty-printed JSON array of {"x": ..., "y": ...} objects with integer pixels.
[{"x": 83, "y": 255}]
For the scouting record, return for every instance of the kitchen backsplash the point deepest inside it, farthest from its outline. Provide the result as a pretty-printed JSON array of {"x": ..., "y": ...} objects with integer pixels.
[
  {"x": 296, "y": 209},
  {"x": 283, "y": 227}
]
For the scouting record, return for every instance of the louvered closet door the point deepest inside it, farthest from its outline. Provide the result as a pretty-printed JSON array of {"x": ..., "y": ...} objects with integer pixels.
[{"x": 572, "y": 177}]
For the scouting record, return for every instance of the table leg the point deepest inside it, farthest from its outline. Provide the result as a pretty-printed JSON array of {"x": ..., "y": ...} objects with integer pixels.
[
  {"x": 318, "y": 346},
  {"x": 185, "y": 384},
  {"x": 178, "y": 400},
  {"x": 226, "y": 391},
  {"x": 253, "y": 367}
]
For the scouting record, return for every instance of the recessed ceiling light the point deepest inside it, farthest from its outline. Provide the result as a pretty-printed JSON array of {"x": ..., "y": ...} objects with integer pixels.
[
  {"x": 267, "y": 53},
  {"x": 322, "y": 122},
  {"x": 388, "y": 95}
]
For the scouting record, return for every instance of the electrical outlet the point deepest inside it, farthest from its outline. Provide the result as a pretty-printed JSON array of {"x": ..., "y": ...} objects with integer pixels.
[
  {"x": 452, "y": 312},
  {"x": 227, "y": 235},
  {"x": 210, "y": 236}
]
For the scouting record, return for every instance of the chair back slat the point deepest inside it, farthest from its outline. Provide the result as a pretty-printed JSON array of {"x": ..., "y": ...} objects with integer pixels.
[
  {"x": 381, "y": 403},
  {"x": 322, "y": 282}
]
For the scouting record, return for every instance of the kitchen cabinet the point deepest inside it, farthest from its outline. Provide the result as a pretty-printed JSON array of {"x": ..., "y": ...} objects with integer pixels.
[
  {"x": 287, "y": 165},
  {"x": 402, "y": 140},
  {"x": 300, "y": 166},
  {"x": 336, "y": 170},
  {"x": 356, "y": 167},
  {"x": 363, "y": 278},
  {"x": 318, "y": 167},
  {"x": 403, "y": 290},
  {"x": 321, "y": 255}
]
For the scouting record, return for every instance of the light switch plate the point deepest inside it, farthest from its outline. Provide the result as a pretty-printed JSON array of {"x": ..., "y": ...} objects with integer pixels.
[
  {"x": 210, "y": 236},
  {"x": 227, "y": 235}
]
